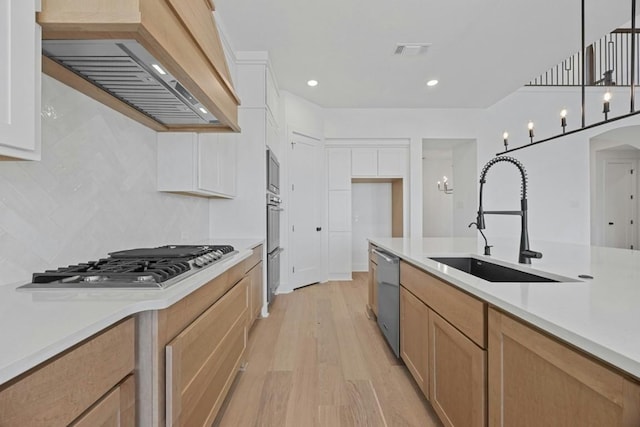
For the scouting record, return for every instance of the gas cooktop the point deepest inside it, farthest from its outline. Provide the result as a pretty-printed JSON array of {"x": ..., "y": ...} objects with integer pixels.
[{"x": 142, "y": 268}]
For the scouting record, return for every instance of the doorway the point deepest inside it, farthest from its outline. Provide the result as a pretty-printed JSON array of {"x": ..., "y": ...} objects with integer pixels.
[
  {"x": 615, "y": 158},
  {"x": 619, "y": 204}
]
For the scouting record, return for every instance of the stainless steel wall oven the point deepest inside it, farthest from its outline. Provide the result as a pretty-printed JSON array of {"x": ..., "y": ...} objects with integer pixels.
[{"x": 273, "y": 225}]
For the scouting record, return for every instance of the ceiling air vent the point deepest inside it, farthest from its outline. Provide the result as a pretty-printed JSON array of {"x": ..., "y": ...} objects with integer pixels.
[{"x": 411, "y": 49}]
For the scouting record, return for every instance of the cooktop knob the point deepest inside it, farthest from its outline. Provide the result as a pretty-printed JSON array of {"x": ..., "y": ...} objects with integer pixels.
[{"x": 199, "y": 262}]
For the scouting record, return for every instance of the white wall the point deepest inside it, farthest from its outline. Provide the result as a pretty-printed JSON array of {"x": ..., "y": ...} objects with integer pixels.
[
  {"x": 93, "y": 192},
  {"x": 558, "y": 171},
  {"x": 465, "y": 195},
  {"x": 370, "y": 217},
  {"x": 614, "y": 145},
  {"x": 437, "y": 206}
]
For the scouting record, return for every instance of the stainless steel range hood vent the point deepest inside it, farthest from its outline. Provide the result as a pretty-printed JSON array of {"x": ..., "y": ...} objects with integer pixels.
[{"x": 129, "y": 72}]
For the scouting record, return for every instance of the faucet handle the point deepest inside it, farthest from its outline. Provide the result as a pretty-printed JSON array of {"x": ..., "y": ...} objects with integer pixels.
[
  {"x": 487, "y": 249},
  {"x": 528, "y": 253}
]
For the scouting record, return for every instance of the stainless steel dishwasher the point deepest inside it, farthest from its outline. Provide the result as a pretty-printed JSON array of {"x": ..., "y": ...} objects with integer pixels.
[{"x": 388, "y": 283}]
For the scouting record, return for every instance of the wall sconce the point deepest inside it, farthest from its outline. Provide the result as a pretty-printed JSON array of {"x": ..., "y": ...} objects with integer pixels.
[
  {"x": 530, "y": 126},
  {"x": 605, "y": 105},
  {"x": 563, "y": 120},
  {"x": 505, "y": 139},
  {"x": 444, "y": 186}
]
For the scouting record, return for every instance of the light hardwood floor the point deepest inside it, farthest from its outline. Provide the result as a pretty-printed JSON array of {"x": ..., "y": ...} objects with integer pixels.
[{"x": 319, "y": 360}]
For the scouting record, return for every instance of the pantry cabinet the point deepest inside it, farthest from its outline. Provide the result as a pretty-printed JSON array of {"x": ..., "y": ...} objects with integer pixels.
[
  {"x": 536, "y": 380},
  {"x": 339, "y": 168},
  {"x": 90, "y": 382},
  {"x": 201, "y": 164},
  {"x": 20, "y": 65}
]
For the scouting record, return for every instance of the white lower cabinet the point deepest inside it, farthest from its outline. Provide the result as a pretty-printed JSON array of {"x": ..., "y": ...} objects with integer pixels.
[
  {"x": 199, "y": 164},
  {"x": 20, "y": 66}
]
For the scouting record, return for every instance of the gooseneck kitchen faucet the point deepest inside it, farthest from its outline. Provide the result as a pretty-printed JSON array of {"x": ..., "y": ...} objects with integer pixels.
[{"x": 525, "y": 254}]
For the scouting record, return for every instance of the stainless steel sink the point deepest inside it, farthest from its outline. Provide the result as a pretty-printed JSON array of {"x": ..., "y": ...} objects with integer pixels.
[{"x": 492, "y": 272}]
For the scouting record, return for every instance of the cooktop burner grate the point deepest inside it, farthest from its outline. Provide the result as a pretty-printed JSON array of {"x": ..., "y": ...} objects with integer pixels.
[{"x": 136, "y": 268}]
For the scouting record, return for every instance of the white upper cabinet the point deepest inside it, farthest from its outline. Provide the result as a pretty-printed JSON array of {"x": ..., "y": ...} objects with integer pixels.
[
  {"x": 272, "y": 98},
  {"x": 199, "y": 164},
  {"x": 339, "y": 168},
  {"x": 392, "y": 161},
  {"x": 20, "y": 65},
  {"x": 378, "y": 162},
  {"x": 364, "y": 162}
]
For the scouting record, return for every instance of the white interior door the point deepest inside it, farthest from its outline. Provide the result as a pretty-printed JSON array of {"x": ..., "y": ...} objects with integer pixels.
[
  {"x": 619, "y": 204},
  {"x": 304, "y": 217}
]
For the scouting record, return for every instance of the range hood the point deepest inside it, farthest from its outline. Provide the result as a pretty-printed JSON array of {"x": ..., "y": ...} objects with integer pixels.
[{"x": 159, "y": 62}]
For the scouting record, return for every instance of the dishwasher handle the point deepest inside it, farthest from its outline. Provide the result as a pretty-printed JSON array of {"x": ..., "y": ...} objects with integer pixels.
[{"x": 385, "y": 256}]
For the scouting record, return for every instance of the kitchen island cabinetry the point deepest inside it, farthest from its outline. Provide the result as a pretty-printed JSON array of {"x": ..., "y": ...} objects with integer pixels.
[
  {"x": 536, "y": 380},
  {"x": 20, "y": 66},
  {"x": 198, "y": 164},
  {"x": 443, "y": 342},
  {"x": 90, "y": 382},
  {"x": 414, "y": 338}
]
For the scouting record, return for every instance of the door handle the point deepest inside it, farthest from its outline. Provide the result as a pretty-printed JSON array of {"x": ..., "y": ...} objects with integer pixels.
[
  {"x": 610, "y": 223},
  {"x": 318, "y": 228}
]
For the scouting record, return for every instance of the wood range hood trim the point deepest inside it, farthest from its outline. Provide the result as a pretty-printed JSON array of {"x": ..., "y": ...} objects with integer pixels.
[{"x": 180, "y": 34}]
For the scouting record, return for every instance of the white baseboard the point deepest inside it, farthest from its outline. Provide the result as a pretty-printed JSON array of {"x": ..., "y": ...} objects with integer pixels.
[
  {"x": 340, "y": 276},
  {"x": 284, "y": 288},
  {"x": 360, "y": 267}
]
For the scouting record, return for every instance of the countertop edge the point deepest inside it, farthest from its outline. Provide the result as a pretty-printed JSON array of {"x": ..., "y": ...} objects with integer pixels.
[
  {"x": 164, "y": 299},
  {"x": 619, "y": 361}
]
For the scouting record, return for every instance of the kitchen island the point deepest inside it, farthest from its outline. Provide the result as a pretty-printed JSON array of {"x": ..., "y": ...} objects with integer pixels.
[
  {"x": 57, "y": 329},
  {"x": 528, "y": 342}
]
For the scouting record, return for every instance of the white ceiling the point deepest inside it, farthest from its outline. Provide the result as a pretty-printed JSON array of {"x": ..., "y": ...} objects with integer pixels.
[{"x": 481, "y": 50}]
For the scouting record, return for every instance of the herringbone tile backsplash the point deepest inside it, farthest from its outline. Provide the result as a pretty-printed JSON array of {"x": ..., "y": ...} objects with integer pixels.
[{"x": 93, "y": 192}]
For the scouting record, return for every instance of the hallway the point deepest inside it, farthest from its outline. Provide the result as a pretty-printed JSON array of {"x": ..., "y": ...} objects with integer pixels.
[{"x": 318, "y": 360}]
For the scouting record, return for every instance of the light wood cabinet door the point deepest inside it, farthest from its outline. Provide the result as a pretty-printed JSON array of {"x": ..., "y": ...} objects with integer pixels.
[
  {"x": 20, "y": 67},
  {"x": 256, "y": 297},
  {"x": 414, "y": 338},
  {"x": 457, "y": 375},
  {"x": 116, "y": 409},
  {"x": 63, "y": 388},
  {"x": 535, "y": 380},
  {"x": 203, "y": 359}
]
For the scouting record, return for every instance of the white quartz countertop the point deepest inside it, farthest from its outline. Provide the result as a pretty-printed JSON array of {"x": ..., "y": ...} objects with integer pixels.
[
  {"x": 600, "y": 316},
  {"x": 38, "y": 324}
]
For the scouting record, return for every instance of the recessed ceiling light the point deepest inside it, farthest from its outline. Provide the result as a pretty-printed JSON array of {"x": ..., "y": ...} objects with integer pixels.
[
  {"x": 432, "y": 82},
  {"x": 312, "y": 83}
]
